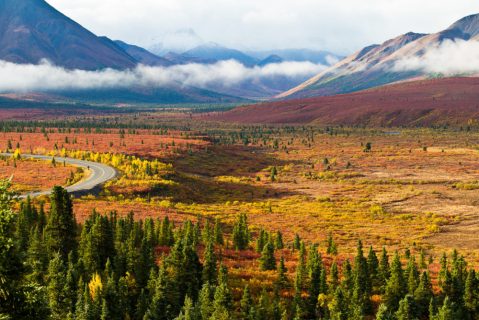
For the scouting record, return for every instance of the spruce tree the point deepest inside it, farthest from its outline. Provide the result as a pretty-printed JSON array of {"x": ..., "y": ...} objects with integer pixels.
[
  {"x": 383, "y": 270},
  {"x": 279, "y": 240},
  {"x": 218, "y": 233},
  {"x": 406, "y": 309},
  {"x": 60, "y": 232},
  {"x": 267, "y": 260},
  {"x": 56, "y": 294},
  {"x": 11, "y": 267},
  {"x": 222, "y": 301},
  {"x": 423, "y": 295},
  {"x": 297, "y": 242},
  {"x": 383, "y": 313},
  {"x": 331, "y": 249},
  {"x": 205, "y": 303},
  {"x": 246, "y": 304},
  {"x": 261, "y": 241},
  {"x": 471, "y": 294},
  {"x": 373, "y": 269},
  {"x": 210, "y": 269},
  {"x": 241, "y": 235},
  {"x": 446, "y": 312},
  {"x": 282, "y": 280},
  {"x": 338, "y": 307},
  {"x": 362, "y": 284},
  {"x": 396, "y": 286}
]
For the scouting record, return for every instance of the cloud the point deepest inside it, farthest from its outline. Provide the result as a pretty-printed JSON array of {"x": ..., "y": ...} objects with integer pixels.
[
  {"x": 341, "y": 26},
  {"x": 46, "y": 77},
  {"x": 449, "y": 58}
]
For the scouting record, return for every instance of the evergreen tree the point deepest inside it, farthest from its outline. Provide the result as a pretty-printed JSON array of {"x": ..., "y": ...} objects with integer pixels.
[
  {"x": 267, "y": 260},
  {"x": 279, "y": 240},
  {"x": 339, "y": 306},
  {"x": 396, "y": 286},
  {"x": 56, "y": 281},
  {"x": 218, "y": 232},
  {"x": 11, "y": 268},
  {"x": 60, "y": 232},
  {"x": 334, "y": 277},
  {"x": 210, "y": 270},
  {"x": 471, "y": 294},
  {"x": 383, "y": 270},
  {"x": 205, "y": 303},
  {"x": 406, "y": 309},
  {"x": 383, "y": 313},
  {"x": 314, "y": 273},
  {"x": 331, "y": 249},
  {"x": 222, "y": 298},
  {"x": 282, "y": 280},
  {"x": 246, "y": 305},
  {"x": 163, "y": 300},
  {"x": 37, "y": 258},
  {"x": 362, "y": 284},
  {"x": 446, "y": 312},
  {"x": 261, "y": 241},
  {"x": 412, "y": 276},
  {"x": 423, "y": 295},
  {"x": 263, "y": 308},
  {"x": 188, "y": 311},
  {"x": 241, "y": 234},
  {"x": 373, "y": 269}
]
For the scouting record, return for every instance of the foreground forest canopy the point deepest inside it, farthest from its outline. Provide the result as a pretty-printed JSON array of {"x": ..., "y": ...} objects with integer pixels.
[
  {"x": 222, "y": 221},
  {"x": 118, "y": 268}
]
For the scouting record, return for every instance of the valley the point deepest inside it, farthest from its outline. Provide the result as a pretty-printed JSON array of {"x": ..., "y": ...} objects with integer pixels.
[{"x": 236, "y": 161}]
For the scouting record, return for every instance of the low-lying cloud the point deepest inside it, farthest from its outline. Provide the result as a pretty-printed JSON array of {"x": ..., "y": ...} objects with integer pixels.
[
  {"x": 47, "y": 77},
  {"x": 448, "y": 58}
]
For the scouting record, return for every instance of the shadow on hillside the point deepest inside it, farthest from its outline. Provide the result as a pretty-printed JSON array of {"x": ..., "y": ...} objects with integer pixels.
[
  {"x": 196, "y": 176},
  {"x": 196, "y": 189},
  {"x": 236, "y": 161}
]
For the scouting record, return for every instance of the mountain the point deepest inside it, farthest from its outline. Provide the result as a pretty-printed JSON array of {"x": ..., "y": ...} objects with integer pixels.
[
  {"x": 177, "y": 41},
  {"x": 178, "y": 58},
  {"x": 373, "y": 65},
  {"x": 299, "y": 55},
  {"x": 32, "y": 30},
  {"x": 171, "y": 94},
  {"x": 215, "y": 52},
  {"x": 446, "y": 101},
  {"x": 269, "y": 60},
  {"x": 143, "y": 56}
]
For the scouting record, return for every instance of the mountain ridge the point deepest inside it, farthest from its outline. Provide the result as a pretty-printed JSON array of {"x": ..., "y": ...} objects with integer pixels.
[
  {"x": 32, "y": 30},
  {"x": 372, "y": 65}
]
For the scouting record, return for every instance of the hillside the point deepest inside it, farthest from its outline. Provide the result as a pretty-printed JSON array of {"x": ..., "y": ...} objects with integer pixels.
[
  {"x": 451, "y": 101},
  {"x": 32, "y": 30},
  {"x": 373, "y": 65}
]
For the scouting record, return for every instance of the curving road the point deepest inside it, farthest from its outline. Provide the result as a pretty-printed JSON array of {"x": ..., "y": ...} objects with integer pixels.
[{"x": 99, "y": 174}]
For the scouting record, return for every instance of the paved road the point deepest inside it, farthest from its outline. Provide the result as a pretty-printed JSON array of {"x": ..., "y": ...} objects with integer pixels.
[{"x": 99, "y": 174}]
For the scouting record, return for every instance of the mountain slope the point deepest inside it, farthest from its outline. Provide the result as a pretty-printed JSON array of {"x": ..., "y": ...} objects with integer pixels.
[
  {"x": 448, "y": 101},
  {"x": 299, "y": 55},
  {"x": 269, "y": 60},
  {"x": 216, "y": 52},
  {"x": 143, "y": 56},
  {"x": 372, "y": 66},
  {"x": 359, "y": 71},
  {"x": 32, "y": 30}
]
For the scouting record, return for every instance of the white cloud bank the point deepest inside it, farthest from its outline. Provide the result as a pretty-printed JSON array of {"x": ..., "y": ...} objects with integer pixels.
[
  {"x": 449, "y": 58},
  {"x": 45, "y": 76}
]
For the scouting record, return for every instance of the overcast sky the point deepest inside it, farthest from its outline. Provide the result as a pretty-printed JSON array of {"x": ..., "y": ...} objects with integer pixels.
[{"x": 341, "y": 26}]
